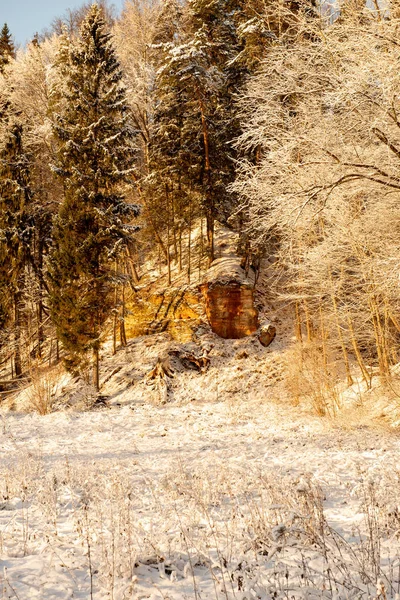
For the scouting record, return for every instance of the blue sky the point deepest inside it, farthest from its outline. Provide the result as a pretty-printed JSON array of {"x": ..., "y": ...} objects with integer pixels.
[{"x": 25, "y": 17}]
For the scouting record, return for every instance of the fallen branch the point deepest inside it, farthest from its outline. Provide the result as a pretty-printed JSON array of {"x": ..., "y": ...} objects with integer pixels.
[{"x": 192, "y": 361}]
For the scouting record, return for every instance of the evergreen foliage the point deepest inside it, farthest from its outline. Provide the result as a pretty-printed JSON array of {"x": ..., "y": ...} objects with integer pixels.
[
  {"x": 169, "y": 157},
  {"x": 95, "y": 155},
  {"x": 197, "y": 80},
  {"x": 16, "y": 229},
  {"x": 7, "y": 49}
]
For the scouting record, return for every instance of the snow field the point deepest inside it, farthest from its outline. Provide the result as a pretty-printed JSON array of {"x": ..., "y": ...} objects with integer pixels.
[{"x": 194, "y": 501}]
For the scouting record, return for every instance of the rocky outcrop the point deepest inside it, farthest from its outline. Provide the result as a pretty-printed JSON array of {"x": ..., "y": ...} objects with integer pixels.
[
  {"x": 224, "y": 296},
  {"x": 229, "y": 299},
  {"x": 176, "y": 310}
]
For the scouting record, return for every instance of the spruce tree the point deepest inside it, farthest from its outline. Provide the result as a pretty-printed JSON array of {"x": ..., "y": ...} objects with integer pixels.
[
  {"x": 7, "y": 49},
  {"x": 95, "y": 158},
  {"x": 16, "y": 231},
  {"x": 169, "y": 166}
]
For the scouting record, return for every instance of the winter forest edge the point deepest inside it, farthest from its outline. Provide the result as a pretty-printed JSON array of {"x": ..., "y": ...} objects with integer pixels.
[{"x": 199, "y": 302}]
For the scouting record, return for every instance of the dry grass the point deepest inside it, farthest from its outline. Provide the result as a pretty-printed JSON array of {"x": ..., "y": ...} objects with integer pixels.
[
  {"x": 42, "y": 392},
  {"x": 309, "y": 378},
  {"x": 246, "y": 534}
]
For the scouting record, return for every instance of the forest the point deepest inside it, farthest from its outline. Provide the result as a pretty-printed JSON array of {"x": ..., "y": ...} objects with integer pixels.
[
  {"x": 278, "y": 120},
  {"x": 199, "y": 302}
]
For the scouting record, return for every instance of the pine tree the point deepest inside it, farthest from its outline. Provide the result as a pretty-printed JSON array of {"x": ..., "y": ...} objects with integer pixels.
[
  {"x": 7, "y": 49},
  {"x": 169, "y": 23},
  {"x": 96, "y": 153},
  {"x": 257, "y": 31},
  {"x": 198, "y": 76},
  {"x": 16, "y": 231},
  {"x": 166, "y": 184}
]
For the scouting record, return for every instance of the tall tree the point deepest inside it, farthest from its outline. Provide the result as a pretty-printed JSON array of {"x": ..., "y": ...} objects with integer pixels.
[
  {"x": 198, "y": 77},
  {"x": 16, "y": 230},
  {"x": 7, "y": 49},
  {"x": 166, "y": 181},
  {"x": 134, "y": 33},
  {"x": 26, "y": 92},
  {"x": 96, "y": 151}
]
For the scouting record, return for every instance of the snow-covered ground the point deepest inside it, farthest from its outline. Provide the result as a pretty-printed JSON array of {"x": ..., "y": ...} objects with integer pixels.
[{"x": 228, "y": 491}]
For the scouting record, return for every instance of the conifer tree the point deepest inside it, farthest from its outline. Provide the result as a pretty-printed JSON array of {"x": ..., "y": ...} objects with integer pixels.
[
  {"x": 195, "y": 125},
  {"x": 16, "y": 230},
  {"x": 7, "y": 49},
  {"x": 169, "y": 164},
  {"x": 256, "y": 31},
  {"x": 168, "y": 25},
  {"x": 95, "y": 158}
]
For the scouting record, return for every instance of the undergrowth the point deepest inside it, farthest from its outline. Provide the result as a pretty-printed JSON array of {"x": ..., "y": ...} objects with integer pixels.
[{"x": 223, "y": 534}]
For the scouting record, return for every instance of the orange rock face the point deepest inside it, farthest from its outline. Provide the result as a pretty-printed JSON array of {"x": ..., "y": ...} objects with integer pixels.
[
  {"x": 223, "y": 295},
  {"x": 230, "y": 309},
  {"x": 174, "y": 310}
]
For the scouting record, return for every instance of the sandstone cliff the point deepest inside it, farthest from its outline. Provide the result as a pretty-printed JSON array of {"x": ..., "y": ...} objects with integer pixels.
[
  {"x": 176, "y": 310},
  {"x": 222, "y": 295},
  {"x": 229, "y": 298}
]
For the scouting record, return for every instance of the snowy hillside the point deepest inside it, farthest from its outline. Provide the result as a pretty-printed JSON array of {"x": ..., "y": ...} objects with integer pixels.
[{"x": 225, "y": 492}]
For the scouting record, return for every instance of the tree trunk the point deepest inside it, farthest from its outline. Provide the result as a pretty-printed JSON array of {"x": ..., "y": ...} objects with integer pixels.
[
  {"x": 131, "y": 264},
  {"x": 168, "y": 236},
  {"x": 210, "y": 235},
  {"x": 40, "y": 301},
  {"x": 151, "y": 220},
  {"x": 115, "y": 321},
  {"x": 180, "y": 248},
  {"x": 17, "y": 335},
  {"x": 298, "y": 331},
  {"x": 174, "y": 238},
  {"x": 210, "y": 208},
  {"x": 96, "y": 369},
  {"x": 201, "y": 247},
  {"x": 360, "y": 361},
  {"x": 189, "y": 271},
  {"x": 122, "y": 331}
]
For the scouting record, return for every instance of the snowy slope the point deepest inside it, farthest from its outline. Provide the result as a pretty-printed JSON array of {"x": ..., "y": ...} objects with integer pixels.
[{"x": 226, "y": 491}]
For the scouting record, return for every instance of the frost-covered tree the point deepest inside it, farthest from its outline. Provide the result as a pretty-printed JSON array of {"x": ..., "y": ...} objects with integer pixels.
[
  {"x": 96, "y": 153},
  {"x": 26, "y": 92},
  {"x": 133, "y": 34},
  {"x": 72, "y": 19},
  {"x": 325, "y": 191}
]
